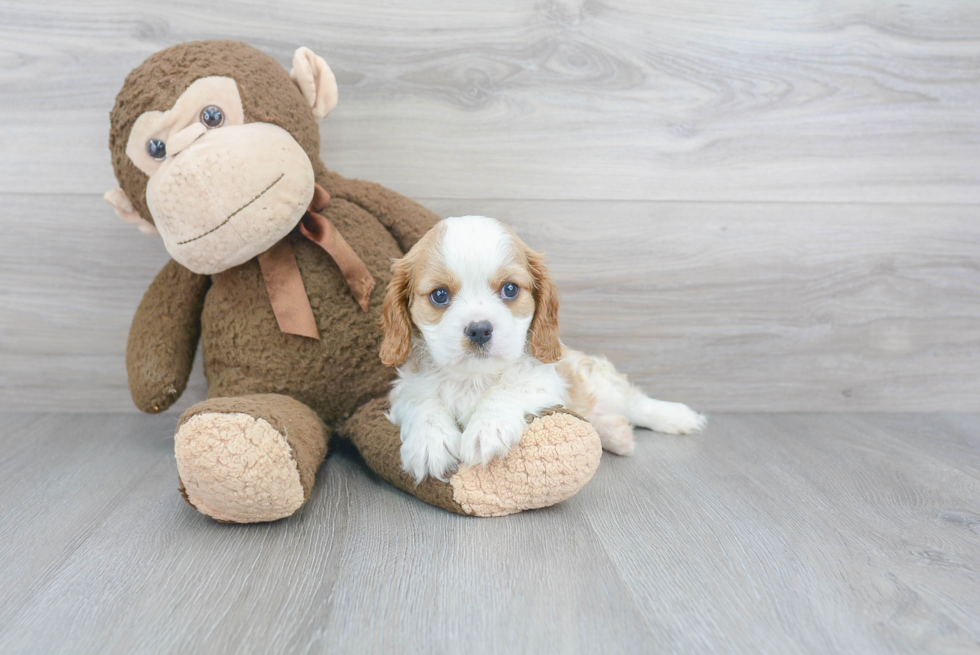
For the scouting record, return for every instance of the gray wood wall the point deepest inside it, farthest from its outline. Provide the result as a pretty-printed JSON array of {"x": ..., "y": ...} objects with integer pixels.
[{"x": 756, "y": 206}]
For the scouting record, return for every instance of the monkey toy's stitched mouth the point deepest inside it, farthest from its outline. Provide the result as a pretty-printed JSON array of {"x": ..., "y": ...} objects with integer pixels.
[{"x": 232, "y": 215}]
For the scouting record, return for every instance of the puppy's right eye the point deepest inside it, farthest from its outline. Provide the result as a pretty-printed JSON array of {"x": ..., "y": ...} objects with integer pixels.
[{"x": 439, "y": 297}]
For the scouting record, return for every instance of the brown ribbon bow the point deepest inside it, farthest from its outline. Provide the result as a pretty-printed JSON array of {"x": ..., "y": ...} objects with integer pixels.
[{"x": 290, "y": 303}]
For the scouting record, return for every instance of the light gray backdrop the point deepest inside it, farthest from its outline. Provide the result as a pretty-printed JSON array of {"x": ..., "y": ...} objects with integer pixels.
[{"x": 765, "y": 208}]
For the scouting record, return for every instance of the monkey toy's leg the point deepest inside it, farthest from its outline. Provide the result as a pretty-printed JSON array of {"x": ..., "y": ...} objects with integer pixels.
[
  {"x": 557, "y": 455},
  {"x": 249, "y": 459}
]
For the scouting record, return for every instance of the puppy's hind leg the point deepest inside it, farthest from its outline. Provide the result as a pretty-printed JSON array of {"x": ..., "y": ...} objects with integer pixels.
[
  {"x": 615, "y": 433},
  {"x": 663, "y": 416},
  {"x": 600, "y": 393},
  {"x": 605, "y": 397}
]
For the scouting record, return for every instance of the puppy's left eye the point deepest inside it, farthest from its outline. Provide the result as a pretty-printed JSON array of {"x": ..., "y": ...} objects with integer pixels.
[
  {"x": 510, "y": 291},
  {"x": 439, "y": 297}
]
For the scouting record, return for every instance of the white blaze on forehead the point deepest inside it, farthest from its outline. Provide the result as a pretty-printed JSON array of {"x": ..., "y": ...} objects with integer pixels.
[{"x": 474, "y": 248}]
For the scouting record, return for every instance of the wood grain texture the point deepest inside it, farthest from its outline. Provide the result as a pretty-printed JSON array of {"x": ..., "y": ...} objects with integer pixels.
[
  {"x": 767, "y": 534},
  {"x": 768, "y": 307},
  {"x": 727, "y": 306},
  {"x": 770, "y": 207},
  {"x": 625, "y": 99}
]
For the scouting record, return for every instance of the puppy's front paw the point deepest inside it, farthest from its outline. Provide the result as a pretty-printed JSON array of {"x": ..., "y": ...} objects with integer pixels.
[
  {"x": 432, "y": 451},
  {"x": 489, "y": 437}
]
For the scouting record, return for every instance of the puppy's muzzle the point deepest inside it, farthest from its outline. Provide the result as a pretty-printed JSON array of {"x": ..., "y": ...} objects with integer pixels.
[{"x": 479, "y": 332}]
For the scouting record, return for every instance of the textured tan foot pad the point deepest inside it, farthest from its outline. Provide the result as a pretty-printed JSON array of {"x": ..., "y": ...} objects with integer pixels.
[
  {"x": 235, "y": 467},
  {"x": 557, "y": 456}
]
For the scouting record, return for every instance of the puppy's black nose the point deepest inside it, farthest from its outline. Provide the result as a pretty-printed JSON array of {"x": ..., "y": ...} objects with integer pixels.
[{"x": 479, "y": 332}]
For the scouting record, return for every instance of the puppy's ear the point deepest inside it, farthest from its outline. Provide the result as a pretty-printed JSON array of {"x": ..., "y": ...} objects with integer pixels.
[
  {"x": 544, "y": 326},
  {"x": 395, "y": 320}
]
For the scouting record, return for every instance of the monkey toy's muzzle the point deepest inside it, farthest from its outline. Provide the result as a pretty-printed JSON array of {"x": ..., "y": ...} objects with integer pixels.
[{"x": 229, "y": 195}]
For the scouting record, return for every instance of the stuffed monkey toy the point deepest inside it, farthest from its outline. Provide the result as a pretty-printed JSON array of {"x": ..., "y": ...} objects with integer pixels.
[{"x": 279, "y": 268}]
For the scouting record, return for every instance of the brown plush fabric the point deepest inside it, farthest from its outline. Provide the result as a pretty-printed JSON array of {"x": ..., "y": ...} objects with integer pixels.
[
  {"x": 268, "y": 96},
  {"x": 304, "y": 431},
  {"x": 378, "y": 442},
  {"x": 246, "y": 352},
  {"x": 399, "y": 215},
  {"x": 163, "y": 337}
]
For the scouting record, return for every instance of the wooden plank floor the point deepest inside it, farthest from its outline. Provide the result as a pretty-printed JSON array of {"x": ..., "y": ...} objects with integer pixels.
[{"x": 793, "y": 533}]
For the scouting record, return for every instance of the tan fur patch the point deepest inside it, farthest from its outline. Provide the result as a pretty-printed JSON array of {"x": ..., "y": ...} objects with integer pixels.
[
  {"x": 430, "y": 273},
  {"x": 399, "y": 302},
  {"x": 578, "y": 397},
  {"x": 544, "y": 326},
  {"x": 517, "y": 273},
  {"x": 543, "y": 333},
  {"x": 523, "y": 305}
]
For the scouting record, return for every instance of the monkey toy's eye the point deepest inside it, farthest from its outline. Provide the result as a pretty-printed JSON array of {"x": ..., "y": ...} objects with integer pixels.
[
  {"x": 157, "y": 149},
  {"x": 509, "y": 291},
  {"x": 439, "y": 297},
  {"x": 212, "y": 117}
]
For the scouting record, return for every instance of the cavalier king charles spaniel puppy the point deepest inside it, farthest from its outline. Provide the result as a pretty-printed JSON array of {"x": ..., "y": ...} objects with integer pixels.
[{"x": 471, "y": 321}]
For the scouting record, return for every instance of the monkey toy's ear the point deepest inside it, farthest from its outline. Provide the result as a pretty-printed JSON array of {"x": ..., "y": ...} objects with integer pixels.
[
  {"x": 119, "y": 201},
  {"x": 317, "y": 82}
]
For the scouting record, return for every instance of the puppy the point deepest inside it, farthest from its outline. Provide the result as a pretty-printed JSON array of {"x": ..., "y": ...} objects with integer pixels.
[{"x": 471, "y": 320}]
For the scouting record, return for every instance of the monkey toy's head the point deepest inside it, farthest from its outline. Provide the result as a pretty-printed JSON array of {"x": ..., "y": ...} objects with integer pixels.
[{"x": 216, "y": 148}]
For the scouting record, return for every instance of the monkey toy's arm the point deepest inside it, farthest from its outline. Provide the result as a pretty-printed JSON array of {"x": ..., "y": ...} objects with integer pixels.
[
  {"x": 163, "y": 337},
  {"x": 405, "y": 219}
]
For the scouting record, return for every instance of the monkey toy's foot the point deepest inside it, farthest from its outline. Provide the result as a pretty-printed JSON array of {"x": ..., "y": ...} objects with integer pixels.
[
  {"x": 557, "y": 455},
  {"x": 249, "y": 459}
]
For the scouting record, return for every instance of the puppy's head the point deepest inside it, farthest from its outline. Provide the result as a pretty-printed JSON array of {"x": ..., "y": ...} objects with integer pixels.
[{"x": 477, "y": 296}]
